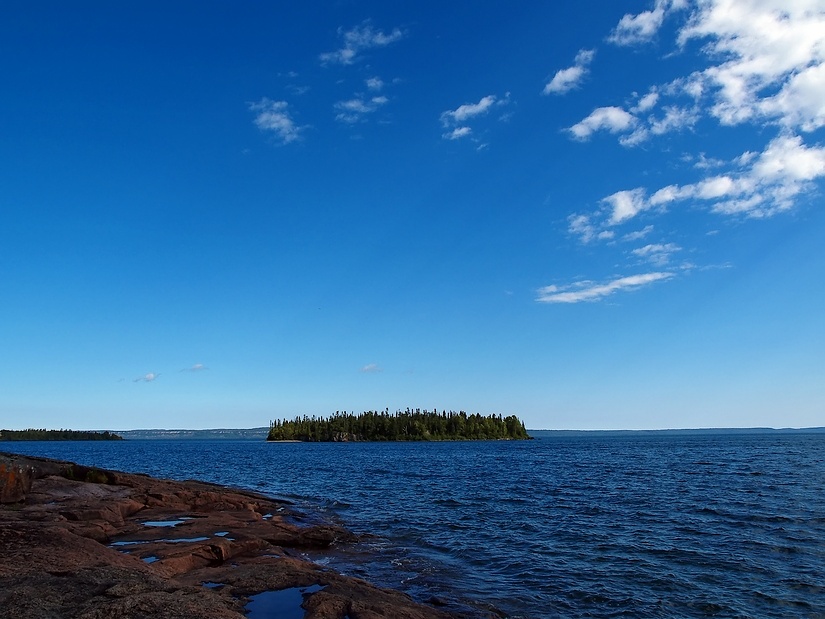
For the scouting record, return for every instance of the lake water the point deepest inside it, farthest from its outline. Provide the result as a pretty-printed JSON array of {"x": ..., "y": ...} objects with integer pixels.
[{"x": 640, "y": 525}]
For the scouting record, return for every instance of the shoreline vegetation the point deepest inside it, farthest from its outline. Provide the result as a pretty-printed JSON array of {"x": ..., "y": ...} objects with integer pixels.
[
  {"x": 57, "y": 435},
  {"x": 408, "y": 425}
]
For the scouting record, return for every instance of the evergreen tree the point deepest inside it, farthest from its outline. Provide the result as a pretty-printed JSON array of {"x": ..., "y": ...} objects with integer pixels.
[{"x": 409, "y": 425}]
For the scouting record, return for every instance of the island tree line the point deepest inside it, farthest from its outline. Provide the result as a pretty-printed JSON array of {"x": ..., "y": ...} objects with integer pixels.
[
  {"x": 409, "y": 425},
  {"x": 57, "y": 435}
]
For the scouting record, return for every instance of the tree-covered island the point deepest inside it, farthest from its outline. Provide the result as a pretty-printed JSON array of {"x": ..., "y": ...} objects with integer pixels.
[
  {"x": 57, "y": 435},
  {"x": 409, "y": 425}
]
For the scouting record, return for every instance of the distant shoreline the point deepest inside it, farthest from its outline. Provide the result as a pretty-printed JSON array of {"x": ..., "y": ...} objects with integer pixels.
[
  {"x": 31, "y": 434},
  {"x": 679, "y": 431},
  {"x": 259, "y": 434}
]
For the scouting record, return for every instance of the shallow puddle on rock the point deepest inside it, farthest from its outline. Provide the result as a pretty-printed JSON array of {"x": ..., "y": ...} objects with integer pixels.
[
  {"x": 163, "y": 523},
  {"x": 150, "y": 559},
  {"x": 213, "y": 585},
  {"x": 183, "y": 540},
  {"x": 283, "y": 604},
  {"x": 180, "y": 540}
]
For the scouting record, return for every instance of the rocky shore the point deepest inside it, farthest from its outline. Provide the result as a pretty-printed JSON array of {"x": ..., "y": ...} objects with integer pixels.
[{"x": 88, "y": 543}]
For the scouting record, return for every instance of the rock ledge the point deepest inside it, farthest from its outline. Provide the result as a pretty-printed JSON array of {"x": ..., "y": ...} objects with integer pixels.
[{"x": 87, "y": 543}]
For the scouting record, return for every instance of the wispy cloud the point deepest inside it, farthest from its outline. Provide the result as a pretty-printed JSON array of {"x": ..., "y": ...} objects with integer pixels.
[
  {"x": 765, "y": 66},
  {"x": 594, "y": 291},
  {"x": 469, "y": 110},
  {"x": 273, "y": 117},
  {"x": 359, "y": 39},
  {"x": 582, "y": 226},
  {"x": 567, "y": 79},
  {"x": 624, "y": 205},
  {"x": 147, "y": 378},
  {"x": 353, "y": 110},
  {"x": 371, "y": 368},
  {"x": 456, "y": 122},
  {"x": 763, "y": 185},
  {"x": 756, "y": 185},
  {"x": 458, "y": 133},
  {"x": 642, "y": 27},
  {"x": 637, "y": 234},
  {"x": 198, "y": 367},
  {"x": 767, "y": 184},
  {"x": 374, "y": 83},
  {"x": 657, "y": 253}
]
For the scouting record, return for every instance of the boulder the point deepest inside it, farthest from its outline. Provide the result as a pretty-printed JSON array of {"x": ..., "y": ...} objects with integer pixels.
[{"x": 15, "y": 479}]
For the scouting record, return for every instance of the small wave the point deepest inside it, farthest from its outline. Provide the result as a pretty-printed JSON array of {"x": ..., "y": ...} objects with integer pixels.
[
  {"x": 774, "y": 601},
  {"x": 448, "y": 503}
]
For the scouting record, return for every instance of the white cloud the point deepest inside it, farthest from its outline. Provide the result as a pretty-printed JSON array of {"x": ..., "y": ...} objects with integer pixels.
[
  {"x": 759, "y": 63},
  {"x": 198, "y": 367},
  {"x": 801, "y": 102},
  {"x": 715, "y": 187},
  {"x": 647, "y": 102},
  {"x": 764, "y": 185},
  {"x": 668, "y": 194},
  {"x": 374, "y": 83},
  {"x": 769, "y": 60},
  {"x": 273, "y": 117},
  {"x": 566, "y": 80},
  {"x": 638, "y": 234},
  {"x": 765, "y": 66},
  {"x": 675, "y": 118},
  {"x": 464, "y": 112},
  {"x": 612, "y": 119},
  {"x": 353, "y": 110},
  {"x": 457, "y": 133},
  {"x": 626, "y": 204},
  {"x": 641, "y": 28},
  {"x": 455, "y": 121},
  {"x": 371, "y": 368},
  {"x": 788, "y": 160},
  {"x": 657, "y": 253},
  {"x": 592, "y": 291},
  {"x": 703, "y": 162},
  {"x": 358, "y": 39},
  {"x": 147, "y": 378},
  {"x": 581, "y": 226},
  {"x": 585, "y": 56}
]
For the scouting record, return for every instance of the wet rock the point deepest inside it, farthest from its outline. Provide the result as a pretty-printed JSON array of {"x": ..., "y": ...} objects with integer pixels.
[{"x": 85, "y": 543}]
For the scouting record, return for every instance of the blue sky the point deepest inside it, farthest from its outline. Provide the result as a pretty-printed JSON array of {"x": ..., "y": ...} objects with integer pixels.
[{"x": 592, "y": 214}]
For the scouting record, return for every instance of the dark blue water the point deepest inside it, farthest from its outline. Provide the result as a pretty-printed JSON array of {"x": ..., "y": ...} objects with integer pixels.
[{"x": 723, "y": 525}]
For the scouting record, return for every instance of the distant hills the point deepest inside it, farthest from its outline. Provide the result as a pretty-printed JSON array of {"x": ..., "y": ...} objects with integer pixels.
[
  {"x": 674, "y": 432},
  {"x": 260, "y": 434},
  {"x": 257, "y": 434}
]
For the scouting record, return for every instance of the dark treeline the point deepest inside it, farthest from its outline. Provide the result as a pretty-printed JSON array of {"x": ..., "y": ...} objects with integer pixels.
[
  {"x": 57, "y": 435},
  {"x": 409, "y": 425}
]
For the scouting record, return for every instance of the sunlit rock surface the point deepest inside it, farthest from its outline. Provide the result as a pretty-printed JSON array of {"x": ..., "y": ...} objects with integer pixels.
[{"x": 86, "y": 543}]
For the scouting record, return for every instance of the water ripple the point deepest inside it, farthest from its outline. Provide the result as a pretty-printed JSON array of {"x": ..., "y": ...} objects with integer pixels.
[{"x": 724, "y": 526}]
